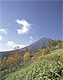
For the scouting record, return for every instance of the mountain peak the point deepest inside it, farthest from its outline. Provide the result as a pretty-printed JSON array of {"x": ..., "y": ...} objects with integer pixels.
[{"x": 40, "y": 44}]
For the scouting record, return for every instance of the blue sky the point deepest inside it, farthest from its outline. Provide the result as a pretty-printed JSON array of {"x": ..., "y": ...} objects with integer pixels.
[{"x": 24, "y": 22}]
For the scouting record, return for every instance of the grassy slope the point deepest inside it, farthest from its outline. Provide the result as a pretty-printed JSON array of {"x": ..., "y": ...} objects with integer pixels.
[{"x": 48, "y": 67}]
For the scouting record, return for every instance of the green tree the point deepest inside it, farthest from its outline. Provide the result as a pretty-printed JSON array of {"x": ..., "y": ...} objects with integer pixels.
[
  {"x": 54, "y": 43},
  {"x": 3, "y": 61},
  {"x": 36, "y": 50},
  {"x": 49, "y": 44},
  {"x": 26, "y": 50},
  {"x": 10, "y": 63},
  {"x": 59, "y": 45},
  {"x": 58, "y": 41}
]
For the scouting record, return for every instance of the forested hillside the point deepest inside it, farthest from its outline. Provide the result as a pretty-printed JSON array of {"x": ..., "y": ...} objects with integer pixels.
[{"x": 46, "y": 64}]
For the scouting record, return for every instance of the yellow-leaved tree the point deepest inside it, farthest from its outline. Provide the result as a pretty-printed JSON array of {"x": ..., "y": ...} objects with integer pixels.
[{"x": 26, "y": 56}]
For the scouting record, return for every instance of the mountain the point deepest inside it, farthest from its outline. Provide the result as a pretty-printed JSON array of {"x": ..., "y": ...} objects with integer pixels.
[{"x": 40, "y": 44}]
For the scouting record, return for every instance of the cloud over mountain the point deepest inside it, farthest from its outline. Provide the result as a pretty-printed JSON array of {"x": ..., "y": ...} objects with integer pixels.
[{"x": 13, "y": 45}]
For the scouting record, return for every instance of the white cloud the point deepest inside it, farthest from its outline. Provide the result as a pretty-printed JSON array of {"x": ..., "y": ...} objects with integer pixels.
[
  {"x": 25, "y": 26},
  {"x": 13, "y": 45},
  {"x": 30, "y": 41},
  {"x": 3, "y": 31},
  {"x": 1, "y": 38},
  {"x": 31, "y": 37},
  {"x": 10, "y": 43}
]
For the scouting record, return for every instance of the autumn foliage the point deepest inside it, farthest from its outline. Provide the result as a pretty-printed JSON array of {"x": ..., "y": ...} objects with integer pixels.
[
  {"x": 26, "y": 56},
  {"x": 37, "y": 53},
  {"x": 15, "y": 58}
]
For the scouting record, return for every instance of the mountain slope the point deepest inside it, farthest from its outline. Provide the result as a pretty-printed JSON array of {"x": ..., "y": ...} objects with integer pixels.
[
  {"x": 40, "y": 44},
  {"x": 40, "y": 68}
]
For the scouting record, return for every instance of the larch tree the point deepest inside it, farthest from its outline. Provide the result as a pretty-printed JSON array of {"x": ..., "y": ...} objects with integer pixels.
[{"x": 26, "y": 56}]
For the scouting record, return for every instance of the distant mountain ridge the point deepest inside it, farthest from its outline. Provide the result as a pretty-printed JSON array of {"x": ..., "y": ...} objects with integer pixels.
[{"x": 40, "y": 44}]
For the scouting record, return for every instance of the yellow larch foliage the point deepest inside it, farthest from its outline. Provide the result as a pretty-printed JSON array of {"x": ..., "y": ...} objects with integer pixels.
[{"x": 26, "y": 56}]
